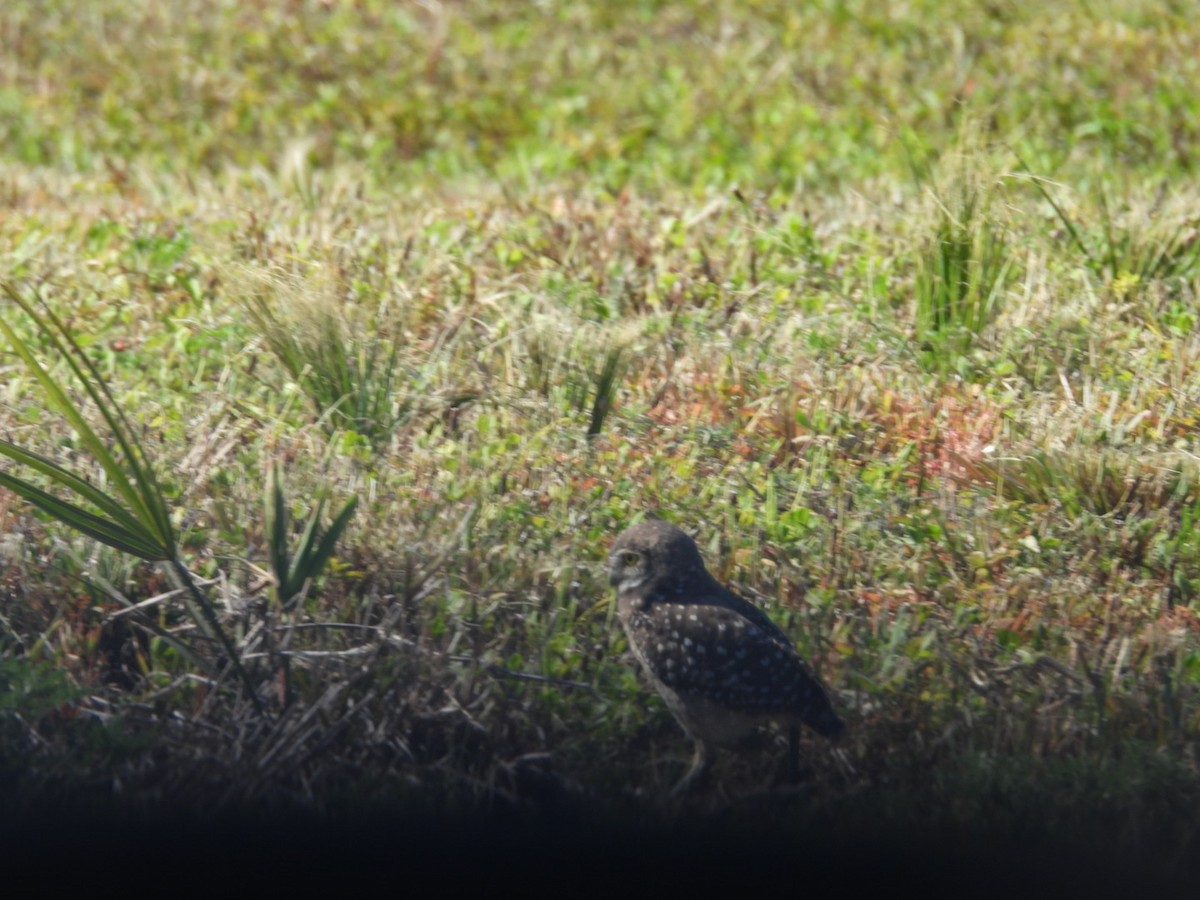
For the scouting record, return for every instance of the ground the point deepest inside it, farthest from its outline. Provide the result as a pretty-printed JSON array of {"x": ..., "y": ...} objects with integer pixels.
[{"x": 892, "y": 307}]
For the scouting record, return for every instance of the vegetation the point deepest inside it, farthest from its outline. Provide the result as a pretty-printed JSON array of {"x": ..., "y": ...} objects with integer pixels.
[{"x": 894, "y": 306}]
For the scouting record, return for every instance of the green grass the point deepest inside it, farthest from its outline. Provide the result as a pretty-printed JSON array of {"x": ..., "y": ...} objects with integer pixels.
[{"x": 900, "y": 326}]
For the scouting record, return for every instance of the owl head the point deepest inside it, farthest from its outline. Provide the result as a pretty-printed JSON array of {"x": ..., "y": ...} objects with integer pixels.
[{"x": 655, "y": 558}]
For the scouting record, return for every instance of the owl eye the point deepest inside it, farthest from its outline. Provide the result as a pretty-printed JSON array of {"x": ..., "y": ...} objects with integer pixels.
[{"x": 629, "y": 558}]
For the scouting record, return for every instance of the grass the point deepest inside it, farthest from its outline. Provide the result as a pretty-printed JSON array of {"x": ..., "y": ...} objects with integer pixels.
[
  {"x": 964, "y": 266},
  {"x": 901, "y": 330}
]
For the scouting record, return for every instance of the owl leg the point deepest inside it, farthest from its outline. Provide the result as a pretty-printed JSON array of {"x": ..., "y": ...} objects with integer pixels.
[
  {"x": 793, "y": 757},
  {"x": 701, "y": 762}
]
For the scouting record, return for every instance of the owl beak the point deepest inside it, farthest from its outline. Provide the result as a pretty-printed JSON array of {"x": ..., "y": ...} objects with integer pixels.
[{"x": 614, "y": 574}]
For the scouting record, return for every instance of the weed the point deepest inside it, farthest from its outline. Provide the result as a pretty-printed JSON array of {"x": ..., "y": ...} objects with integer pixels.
[{"x": 136, "y": 519}]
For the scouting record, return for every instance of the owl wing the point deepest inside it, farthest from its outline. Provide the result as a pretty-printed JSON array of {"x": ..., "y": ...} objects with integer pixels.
[{"x": 743, "y": 662}]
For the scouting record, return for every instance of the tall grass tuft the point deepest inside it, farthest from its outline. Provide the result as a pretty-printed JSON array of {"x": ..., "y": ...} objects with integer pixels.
[
  {"x": 964, "y": 262},
  {"x": 352, "y": 381},
  {"x": 132, "y": 515},
  {"x": 963, "y": 267}
]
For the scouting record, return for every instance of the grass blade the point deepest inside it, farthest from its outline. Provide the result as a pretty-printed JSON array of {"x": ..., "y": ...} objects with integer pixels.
[
  {"x": 315, "y": 559},
  {"x": 72, "y": 482},
  {"x": 104, "y": 530}
]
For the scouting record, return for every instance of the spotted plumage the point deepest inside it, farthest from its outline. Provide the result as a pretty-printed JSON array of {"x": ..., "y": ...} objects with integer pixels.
[{"x": 720, "y": 663}]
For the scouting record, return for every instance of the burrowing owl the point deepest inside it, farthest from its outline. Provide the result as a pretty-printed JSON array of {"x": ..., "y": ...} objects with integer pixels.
[{"x": 722, "y": 666}]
